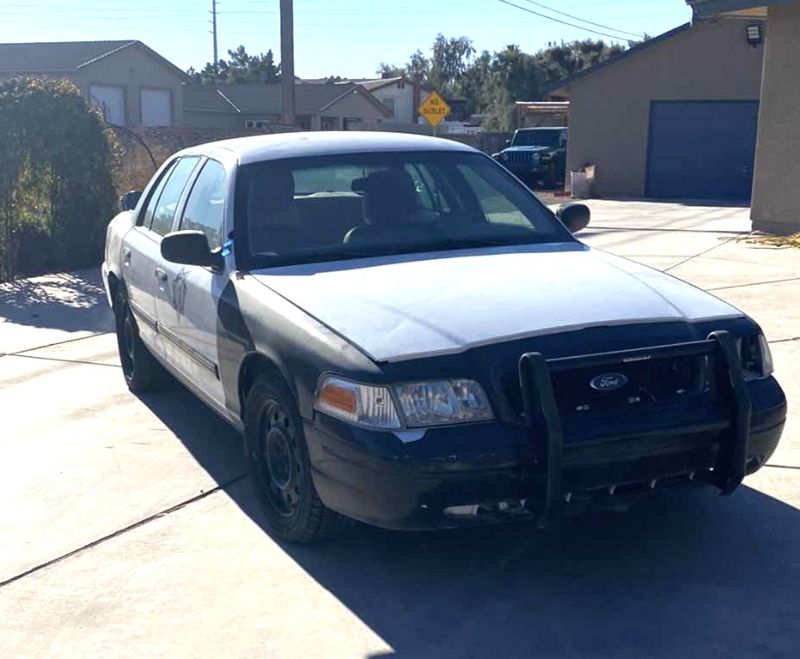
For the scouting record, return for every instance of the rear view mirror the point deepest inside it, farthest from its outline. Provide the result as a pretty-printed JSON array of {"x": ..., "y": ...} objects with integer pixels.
[
  {"x": 190, "y": 248},
  {"x": 575, "y": 216},
  {"x": 129, "y": 200}
]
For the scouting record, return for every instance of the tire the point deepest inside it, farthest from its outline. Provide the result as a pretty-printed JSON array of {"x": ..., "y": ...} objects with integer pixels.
[
  {"x": 550, "y": 182},
  {"x": 141, "y": 370},
  {"x": 279, "y": 466}
]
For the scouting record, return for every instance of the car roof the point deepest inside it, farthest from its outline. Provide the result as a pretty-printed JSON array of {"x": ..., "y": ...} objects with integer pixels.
[
  {"x": 303, "y": 144},
  {"x": 533, "y": 129}
]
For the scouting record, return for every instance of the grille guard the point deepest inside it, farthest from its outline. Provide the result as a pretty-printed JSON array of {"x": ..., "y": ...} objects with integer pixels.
[{"x": 543, "y": 420}]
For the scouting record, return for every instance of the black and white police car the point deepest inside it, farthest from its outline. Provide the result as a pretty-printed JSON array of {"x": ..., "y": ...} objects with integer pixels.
[{"x": 406, "y": 336}]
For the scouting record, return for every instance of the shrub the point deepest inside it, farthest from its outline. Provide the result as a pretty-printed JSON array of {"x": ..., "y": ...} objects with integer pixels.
[{"x": 56, "y": 191}]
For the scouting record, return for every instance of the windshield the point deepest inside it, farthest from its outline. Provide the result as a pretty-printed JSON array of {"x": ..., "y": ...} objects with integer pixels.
[
  {"x": 351, "y": 206},
  {"x": 551, "y": 138}
]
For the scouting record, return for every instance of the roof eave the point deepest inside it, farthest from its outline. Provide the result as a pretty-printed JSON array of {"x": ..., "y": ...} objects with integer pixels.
[{"x": 709, "y": 8}]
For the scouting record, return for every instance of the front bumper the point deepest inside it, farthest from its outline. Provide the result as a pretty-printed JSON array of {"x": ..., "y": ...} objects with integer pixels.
[
  {"x": 106, "y": 284},
  {"x": 527, "y": 170},
  {"x": 490, "y": 472}
]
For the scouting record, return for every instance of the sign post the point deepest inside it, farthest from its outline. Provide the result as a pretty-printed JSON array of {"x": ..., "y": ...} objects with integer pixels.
[{"x": 435, "y": 109}]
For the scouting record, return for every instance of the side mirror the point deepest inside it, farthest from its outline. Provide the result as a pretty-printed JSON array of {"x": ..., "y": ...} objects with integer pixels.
[
  {"x": 574, "y": 216},
  {"x": 129, "y": 200},
  {"x": 190, "y": 248}
]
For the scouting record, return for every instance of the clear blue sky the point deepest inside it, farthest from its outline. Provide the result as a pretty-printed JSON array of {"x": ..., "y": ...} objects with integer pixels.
[{"x": 332, "y": 37}]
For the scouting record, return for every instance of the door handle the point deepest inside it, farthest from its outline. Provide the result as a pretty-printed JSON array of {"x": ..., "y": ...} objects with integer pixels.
[
  {"x": 126, "y": 256},
  {"x": 161, "y": 275}
]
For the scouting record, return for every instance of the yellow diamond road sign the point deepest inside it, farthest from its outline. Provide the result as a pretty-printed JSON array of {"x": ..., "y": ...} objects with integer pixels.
[{"x": 434, "y": 109}]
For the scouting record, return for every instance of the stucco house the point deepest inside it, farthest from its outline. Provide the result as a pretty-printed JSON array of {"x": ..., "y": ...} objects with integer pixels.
[
  {"x": 776, "y": 193},
  {"x": 318, "y": 106},
  {"x": 672, "y": 118},
  {"x": 399, "y": 94},
  {"x": 131, "y": 83}
]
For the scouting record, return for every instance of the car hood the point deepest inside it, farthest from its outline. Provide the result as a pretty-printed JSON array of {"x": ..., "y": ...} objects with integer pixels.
[
  {"x": 411, "y": 306},
  {"x": 528, "y": 149}
]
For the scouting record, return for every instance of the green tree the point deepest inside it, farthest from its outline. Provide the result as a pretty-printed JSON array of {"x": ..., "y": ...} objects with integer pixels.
[
  {"x": 56, "y": 191},
  {"x": 239, "y": 68},
  {"x": 492, "y": 82}
]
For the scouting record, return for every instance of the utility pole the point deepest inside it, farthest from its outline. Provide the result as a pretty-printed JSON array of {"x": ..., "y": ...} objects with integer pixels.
[
  {"x": 214, "y": 32},
  {"x": 287, "y": 61}
]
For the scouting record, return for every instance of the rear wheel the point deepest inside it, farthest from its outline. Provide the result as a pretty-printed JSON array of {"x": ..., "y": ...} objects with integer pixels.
[
  {"x": 141, "y": 370},
  {"x": 279, "y": 466}
]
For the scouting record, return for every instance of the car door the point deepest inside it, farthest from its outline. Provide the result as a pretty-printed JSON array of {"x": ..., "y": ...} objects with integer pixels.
[
  {"x": 187, "y": 304},
  {"x": 140, "y": 254},
  {"x": 141, "y": 248}
]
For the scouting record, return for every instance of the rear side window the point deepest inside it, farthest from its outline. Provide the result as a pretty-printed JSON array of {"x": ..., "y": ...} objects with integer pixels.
[
  {"x": 170, "y": 195},
  {"x": 205, "y": 209}
]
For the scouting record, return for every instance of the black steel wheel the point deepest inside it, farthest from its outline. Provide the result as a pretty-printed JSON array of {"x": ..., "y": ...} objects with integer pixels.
[
  {"x": 279, "y": 460},
  {"x": 279, "y": 465}
]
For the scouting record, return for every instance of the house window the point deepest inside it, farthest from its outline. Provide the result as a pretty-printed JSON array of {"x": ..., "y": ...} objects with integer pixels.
[
  {"x": 156, "y": 107},
  {"x": 110, "y": 100},
  {"x": 352, "y": 123},
  {"x": 388, "y": 103},
  {"x": 257, "y": 123},
  {"x": 330, "y": 123}
]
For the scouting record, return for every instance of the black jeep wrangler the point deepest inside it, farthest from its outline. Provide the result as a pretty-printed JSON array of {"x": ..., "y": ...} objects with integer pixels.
[{"x": 537, "y": 155}]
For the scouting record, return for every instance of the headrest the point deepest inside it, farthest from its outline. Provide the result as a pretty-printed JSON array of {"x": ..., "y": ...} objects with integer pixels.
[
  {"x": 270, "y": 194},
  {"x": 389, "y": 196}
]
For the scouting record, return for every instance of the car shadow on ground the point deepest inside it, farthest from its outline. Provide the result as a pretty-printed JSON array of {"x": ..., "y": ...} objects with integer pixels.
[
  {"x": 72, "y": 302},
  {"x": 684, "y": 574}
]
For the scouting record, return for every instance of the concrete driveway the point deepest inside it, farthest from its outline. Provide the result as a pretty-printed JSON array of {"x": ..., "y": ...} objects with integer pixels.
[{"x": 127, "y": 527}]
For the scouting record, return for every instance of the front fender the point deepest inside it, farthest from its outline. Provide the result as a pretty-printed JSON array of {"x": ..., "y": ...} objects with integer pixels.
[
  {"x": 117, "y": 229},
  {"x": 257, "y": 323}
]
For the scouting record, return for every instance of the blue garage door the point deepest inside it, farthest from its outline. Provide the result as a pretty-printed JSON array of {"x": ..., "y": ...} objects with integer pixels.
[{"x": 701, "y": 150}]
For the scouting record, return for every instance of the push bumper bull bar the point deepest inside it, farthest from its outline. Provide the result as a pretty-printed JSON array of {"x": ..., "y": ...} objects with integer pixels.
[{"x": 543, "y": 420}]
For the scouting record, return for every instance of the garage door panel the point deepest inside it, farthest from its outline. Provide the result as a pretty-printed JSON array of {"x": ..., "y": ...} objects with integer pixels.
[
  {"x": 701, "y": 150},
  {"x": 156, "y": 107}
]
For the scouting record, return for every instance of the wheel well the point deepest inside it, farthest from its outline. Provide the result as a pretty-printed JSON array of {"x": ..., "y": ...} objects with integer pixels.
[
  {"x": 113, "y": 285},
  {"x": 254, "y": 365}
]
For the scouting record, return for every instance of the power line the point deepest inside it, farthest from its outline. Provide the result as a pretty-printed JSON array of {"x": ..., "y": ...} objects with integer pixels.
[
  {"x": 558, "y": 20},
  {"x": 583, "y": 20}
]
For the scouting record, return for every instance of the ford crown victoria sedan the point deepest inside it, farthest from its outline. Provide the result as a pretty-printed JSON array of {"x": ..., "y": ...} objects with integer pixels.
[{"x": 406, "y": 336}]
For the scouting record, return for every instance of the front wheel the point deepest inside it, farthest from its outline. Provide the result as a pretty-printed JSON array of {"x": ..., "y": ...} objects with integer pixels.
[{"x": 279, "y": 466}]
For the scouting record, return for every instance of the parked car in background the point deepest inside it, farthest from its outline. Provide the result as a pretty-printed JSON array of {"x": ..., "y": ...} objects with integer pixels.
[
  {"x": 408, "y": 337},
  {"x": 537, "y": 155}
]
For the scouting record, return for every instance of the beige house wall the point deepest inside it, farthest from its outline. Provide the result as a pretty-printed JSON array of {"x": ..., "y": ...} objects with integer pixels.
[
  {"x": 610, "y": 109},
  {"x": 132, "y": 69},
  {"x": 776, "y": 189},
  {"x": 354, "y": 106}
]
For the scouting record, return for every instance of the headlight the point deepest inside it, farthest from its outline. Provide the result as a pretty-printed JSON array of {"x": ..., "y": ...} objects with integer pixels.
[
  {"x": 756, "y": 357},
  {"x": 503, "y": 156},
  {"x": 362, "y": 404},
  {"x": 422, "y": 403},
  {"x": 438, "y": 403}
]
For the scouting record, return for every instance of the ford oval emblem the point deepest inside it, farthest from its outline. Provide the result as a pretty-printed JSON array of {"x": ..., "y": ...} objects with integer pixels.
[{"x": 608, "y": 382}]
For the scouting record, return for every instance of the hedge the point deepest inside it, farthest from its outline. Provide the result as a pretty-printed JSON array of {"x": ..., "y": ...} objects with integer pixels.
[{"x": 56, "y": 188}]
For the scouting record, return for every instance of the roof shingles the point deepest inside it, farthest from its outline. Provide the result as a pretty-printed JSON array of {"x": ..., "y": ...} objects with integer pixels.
[{"x": 55, "y": 57}]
